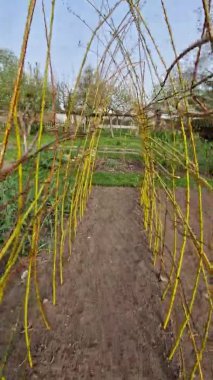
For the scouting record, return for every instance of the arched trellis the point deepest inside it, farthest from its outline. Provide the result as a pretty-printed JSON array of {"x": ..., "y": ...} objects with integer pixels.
[{"x": 64, "y": 192}]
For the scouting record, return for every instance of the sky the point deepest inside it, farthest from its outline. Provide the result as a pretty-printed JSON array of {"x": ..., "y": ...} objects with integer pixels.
[{"x": 70, "y": 35}]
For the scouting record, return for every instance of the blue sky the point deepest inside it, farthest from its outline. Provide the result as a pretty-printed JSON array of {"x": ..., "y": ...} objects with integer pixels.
[{"x": 68, "y": 30}]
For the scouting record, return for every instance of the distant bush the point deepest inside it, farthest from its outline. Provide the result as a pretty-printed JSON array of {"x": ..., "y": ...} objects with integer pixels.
[
  {"x": 202, "y": 123},
  {"x": 204, "y": 127}
]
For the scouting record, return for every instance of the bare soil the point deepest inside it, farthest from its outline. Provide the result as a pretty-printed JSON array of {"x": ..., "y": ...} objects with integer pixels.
[
  {"x": 201, "y": 308},
  {"x": 107, "y": 321},
  {"x": 118, "y": 165}
]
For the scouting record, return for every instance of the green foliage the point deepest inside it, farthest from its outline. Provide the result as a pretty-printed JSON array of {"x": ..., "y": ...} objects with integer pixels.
[
  {"x": 30, "y": 94},
  {"x": 204, "y": 150},
  {"x": 8, "y": 192},
  {"x": 93, "y": 91},
  {"x": 8, "y": 71},
  {"x": 31, "y": 91}
]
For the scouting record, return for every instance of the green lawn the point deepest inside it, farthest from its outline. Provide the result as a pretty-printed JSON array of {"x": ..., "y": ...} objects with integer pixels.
[
  {"x": 135, "y": 180},
  {"x": 117, "y": 179},
  {"x": 121, "y": 142},
  {"x": 106, "y": 142},
  {"x": 114, "y": 148}
]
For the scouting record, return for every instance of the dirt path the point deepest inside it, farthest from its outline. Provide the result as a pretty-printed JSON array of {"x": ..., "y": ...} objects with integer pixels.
[{"x": 106, "y": 324}]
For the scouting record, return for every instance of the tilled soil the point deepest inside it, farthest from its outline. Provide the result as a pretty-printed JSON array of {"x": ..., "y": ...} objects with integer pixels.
[
  {"x": 107, "y": 321},
  {"x": 188, "y": 276},
  {"x": 118, "y": 165}
]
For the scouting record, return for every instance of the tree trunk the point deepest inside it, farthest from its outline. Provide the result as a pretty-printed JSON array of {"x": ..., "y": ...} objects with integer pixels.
[
  {"x": 111, "y": 127},
  {"x": 23, "y": 131},
  {"x": 25, "y": 142},
  {"x": 30, "y": 123}
]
